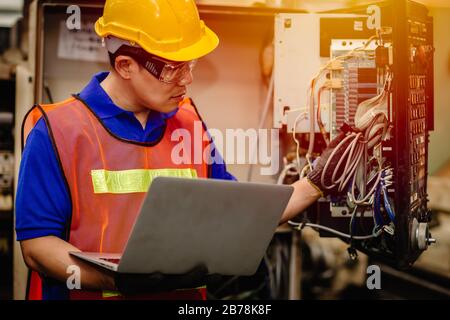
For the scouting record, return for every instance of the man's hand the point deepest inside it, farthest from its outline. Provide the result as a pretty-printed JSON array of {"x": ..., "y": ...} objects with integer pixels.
[
  {"x": 315, "y": 176},
  {"x": 129, "y": 284},
  {"x": 310, "y": 189},
  {"x": 50, "y": 257}
]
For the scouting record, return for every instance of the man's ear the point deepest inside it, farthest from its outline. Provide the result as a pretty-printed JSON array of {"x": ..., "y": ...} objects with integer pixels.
[{"x": 125, "y": 66}]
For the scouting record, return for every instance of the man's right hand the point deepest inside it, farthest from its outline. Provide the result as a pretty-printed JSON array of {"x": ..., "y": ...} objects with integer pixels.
[
  {"x": 129, "y": 284},
  {"x": 315, "y": 176}
]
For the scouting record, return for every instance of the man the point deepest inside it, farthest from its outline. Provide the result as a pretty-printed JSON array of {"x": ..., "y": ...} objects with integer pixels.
[{"x": 88, "y": 160}]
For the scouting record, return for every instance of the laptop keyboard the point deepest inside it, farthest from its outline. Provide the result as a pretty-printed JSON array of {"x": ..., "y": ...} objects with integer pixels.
[{"x": 116, "y": 261}]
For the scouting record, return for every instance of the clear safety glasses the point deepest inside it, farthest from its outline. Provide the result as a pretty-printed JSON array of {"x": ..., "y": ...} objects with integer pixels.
[
  {"x": 163, "y": 70},
  {"x": 174, "y": 72}
]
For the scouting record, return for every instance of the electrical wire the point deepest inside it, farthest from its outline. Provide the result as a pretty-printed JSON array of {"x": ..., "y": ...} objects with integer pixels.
[
  {"x": 334, "y": 231},
  {"x": 385, "y": 182},
  {"x": 354, "y": 157},
  {"x": 312, "y": 129},
  {"x": 286, "y": 172},
  {"x": 319, "y": 116},
  {"x": 297, "y": 150},
  {"x": 352, "y": 154}
]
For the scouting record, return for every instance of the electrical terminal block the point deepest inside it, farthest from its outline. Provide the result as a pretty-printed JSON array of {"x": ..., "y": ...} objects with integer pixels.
[
  {"x": 336, "y": 83},
  {"x": 336, "y": 65}
]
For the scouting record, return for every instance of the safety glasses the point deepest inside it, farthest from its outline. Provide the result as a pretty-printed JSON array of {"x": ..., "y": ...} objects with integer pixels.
[
  {"x": 173, "y": 72},
  {"x": 163, "y": 70}
]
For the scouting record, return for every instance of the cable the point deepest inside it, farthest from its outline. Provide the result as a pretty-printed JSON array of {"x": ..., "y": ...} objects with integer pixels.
[
  {"x": 377, "y": 217},
  {"x": 363, "y": 196},
  {"x": 312, "y": 130},
  {"x": 336, "y": 232},
  {"x": 297, "y": 153},
  {"x": 285, "y": 172},
  {"x": 387, "y": 206},
  {"x": 319, "y": 117},
  {"x": 370, "y": 108},
  {"x": 354, "y": 156}
]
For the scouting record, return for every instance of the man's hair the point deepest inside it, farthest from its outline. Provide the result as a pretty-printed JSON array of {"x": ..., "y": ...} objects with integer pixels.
[
  {"x": 151, "y": 63},
  {"x": 134, "y": 52}
]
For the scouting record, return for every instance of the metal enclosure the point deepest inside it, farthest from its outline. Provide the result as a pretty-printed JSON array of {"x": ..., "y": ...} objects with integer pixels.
[{"x": 410, "y": 104}]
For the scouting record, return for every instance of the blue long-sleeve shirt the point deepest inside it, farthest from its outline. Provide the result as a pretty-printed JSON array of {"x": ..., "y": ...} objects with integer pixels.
[{"x": 43, "y": 205}]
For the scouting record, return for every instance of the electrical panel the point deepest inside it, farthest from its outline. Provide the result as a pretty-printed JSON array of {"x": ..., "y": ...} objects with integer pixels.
[
  {"x": 414, "y": 119},
  {"x": 297, "y": 59},
  {"x": 375, "y": 81}
]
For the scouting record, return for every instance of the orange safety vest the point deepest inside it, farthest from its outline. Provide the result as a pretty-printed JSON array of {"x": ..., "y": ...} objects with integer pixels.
[{"x": 108, "y": 178}]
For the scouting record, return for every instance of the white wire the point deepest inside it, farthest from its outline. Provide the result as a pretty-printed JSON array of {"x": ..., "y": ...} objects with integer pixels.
[
  {"x": 334, "y": 231},
  {"x": 363, "y": 196},
  {"x": 303, "y": 172},
  {"x": 352, "y": 154},
  {"x": 285, "y": 172},
  {"x": 297, "y": 153},
  {"x": 353, "y": 158}
]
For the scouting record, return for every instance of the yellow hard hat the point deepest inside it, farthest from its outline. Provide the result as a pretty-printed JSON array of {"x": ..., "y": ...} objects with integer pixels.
[{"x": 170, "y": 29}]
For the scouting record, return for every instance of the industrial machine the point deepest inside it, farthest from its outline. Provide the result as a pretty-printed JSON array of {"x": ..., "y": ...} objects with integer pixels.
[{"x": 367, "y": 71}]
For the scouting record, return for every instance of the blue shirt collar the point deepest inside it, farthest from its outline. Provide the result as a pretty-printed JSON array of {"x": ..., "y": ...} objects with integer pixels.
[{"x": 102, "y": 105}]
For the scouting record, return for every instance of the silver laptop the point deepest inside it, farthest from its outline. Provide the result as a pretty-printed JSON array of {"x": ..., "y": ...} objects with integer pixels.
[{"x": 225, "y": 225}]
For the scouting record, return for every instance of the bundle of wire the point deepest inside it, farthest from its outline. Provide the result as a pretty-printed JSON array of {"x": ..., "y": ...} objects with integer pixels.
[{"x": 353, "y": 151}]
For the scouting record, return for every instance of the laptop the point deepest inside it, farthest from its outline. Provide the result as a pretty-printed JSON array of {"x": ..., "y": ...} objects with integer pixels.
[{"x": 225, "y": 225}]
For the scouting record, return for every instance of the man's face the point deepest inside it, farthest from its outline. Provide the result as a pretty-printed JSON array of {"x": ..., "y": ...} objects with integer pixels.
[{"x": 154, "y": 94}]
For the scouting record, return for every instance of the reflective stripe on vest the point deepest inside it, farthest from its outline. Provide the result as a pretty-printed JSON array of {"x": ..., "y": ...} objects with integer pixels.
[
  {"x": 136, "y": 180},
  {"x": 108, "y": 176}
]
